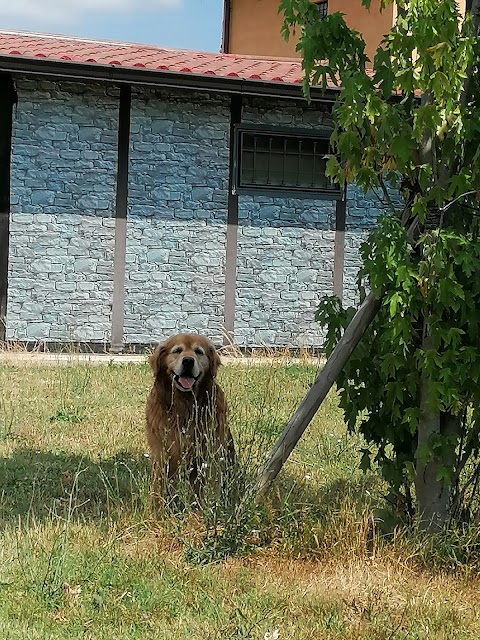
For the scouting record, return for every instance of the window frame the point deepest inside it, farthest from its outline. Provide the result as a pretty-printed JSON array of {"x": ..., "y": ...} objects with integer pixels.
[
  {"x": 323, "y": 5},
  {"x": 320, "y": 133}
]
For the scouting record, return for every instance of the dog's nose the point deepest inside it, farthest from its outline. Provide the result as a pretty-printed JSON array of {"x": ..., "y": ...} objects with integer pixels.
[{"x": 188, "y": 362}]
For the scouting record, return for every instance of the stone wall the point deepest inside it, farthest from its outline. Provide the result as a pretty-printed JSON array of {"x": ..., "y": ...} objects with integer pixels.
[
  {"x": 284, "y": 266},
  {"x": 64, "y": 164},
  {"x": 363, "y": 210},
  {"x": 64, "y": 157},
  {"x": 285, "y": 250},
  {"x": 177, "y": 215}
]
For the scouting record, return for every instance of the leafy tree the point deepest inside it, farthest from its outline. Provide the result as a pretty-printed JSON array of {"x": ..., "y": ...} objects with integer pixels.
[{"x": 408, "y": 123}]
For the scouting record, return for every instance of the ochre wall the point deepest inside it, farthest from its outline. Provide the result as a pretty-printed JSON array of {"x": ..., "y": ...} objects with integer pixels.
[
  {"x": 255, "y": 26},
  {"x": 372, "y": 24}
]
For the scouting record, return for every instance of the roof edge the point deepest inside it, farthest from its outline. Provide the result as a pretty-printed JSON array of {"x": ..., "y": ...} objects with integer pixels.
[{"x": 159, "y": 78}]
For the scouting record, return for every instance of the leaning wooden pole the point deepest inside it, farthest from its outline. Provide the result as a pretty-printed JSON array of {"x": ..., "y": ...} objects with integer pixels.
[
  {"x": 314, "y": 398},
  {"x": 342, "y": 352},
  {"x": 322, "y": 385}
]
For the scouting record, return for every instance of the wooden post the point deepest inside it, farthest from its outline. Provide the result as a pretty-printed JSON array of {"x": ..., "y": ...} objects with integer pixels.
[
  {"x": 121, "y": 208},
  {"x": 8, "y": 98},
  {"x": 339, "y": 251},
  {"x": 314, "y": 398},
  {"x": 4, "y": 242},
  {"x": 232, "y": 228}
]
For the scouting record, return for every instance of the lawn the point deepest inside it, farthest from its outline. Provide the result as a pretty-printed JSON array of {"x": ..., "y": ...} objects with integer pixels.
[{"x": 84, "y": 555}]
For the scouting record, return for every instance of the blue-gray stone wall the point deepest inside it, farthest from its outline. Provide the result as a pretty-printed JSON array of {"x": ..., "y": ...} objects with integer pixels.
[
  {"x": 63, "y": 177},
  {"x": 64, "y": 163},
  {"x": 284, "y": 267},
  {"x": 176, "y": 234},
  {"x": 363, "y": 209},
  {"x": 285, "y": 249}
]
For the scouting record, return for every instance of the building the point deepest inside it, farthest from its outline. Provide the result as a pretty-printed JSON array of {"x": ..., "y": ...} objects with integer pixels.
[
  {"x": 254, "y": 26},
  {"x": 146, "y": 191}
]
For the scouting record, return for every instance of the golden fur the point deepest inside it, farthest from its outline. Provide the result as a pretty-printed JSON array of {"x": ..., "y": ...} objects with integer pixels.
[{"x": 186, "y": 410}]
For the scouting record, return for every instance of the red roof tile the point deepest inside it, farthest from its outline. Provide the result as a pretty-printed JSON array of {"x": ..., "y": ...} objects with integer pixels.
[{"x": 105, "y": 53}]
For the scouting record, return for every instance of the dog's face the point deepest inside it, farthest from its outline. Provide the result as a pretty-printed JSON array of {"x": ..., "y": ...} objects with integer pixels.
[{"x": 187, "y": 359}]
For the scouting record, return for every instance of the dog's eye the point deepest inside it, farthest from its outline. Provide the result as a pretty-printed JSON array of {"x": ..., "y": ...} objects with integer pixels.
[
  {"x": 199, "y": 351},
  {"x": 177, "y": 350}
]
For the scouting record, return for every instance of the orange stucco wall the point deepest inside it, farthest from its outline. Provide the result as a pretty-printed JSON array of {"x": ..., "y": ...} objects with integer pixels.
[
  {"x": 255, "y": 26},
  {"x": 372, "y": 24}
]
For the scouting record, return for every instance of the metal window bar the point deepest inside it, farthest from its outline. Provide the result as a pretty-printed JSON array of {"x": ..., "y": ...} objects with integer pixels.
[
  {"x": 322, "y": 8},
  {"x": 288, "y": 163},
  {"x": 299, "y": 156},
  {"x": 330, "y": 183},
  {"x": 269, "y": 160}
]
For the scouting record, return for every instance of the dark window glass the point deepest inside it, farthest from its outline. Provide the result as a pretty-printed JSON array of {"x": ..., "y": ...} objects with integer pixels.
[
  {"x": 283, "y": 162},
  {"x": 322, "y": 8}
]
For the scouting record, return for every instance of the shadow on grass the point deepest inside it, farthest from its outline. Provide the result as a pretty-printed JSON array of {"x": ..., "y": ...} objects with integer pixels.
[
  {"x": 39, "y": 484},
  {"x": 331, "y": 496},
  {"x": 341, "y": 501}
]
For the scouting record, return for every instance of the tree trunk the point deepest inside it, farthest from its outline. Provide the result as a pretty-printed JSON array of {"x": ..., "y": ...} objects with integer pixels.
[{"x": 433, "y": 495}]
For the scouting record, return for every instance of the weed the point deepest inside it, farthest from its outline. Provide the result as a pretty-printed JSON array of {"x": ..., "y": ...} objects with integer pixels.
[
  {"x": 73, "y": 385},
  {"x": 7, "y": 418}
]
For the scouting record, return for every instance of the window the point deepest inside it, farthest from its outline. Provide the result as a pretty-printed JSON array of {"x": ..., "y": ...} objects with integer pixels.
[
  {"x": 322, "y": 7},
  {"x": 281, "y": 161}
]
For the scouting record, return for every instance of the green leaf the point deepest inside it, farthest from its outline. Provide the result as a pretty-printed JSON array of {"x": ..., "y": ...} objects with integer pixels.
[
  {"x": 394, "y": 300},
  {"x": 410, "y": 471},
  {"x": 365, "y": 462},
  {"x": 424, "y": 453},
  {"x": 332, "y": 167},
  {"x": 402, "y": 148},
  {"x": 445, "y": 474},
  {"x": 419, "y": 208}
]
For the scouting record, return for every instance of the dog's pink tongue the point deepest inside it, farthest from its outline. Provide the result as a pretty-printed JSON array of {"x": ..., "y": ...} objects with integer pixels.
[{"x": 187, "y": 383}]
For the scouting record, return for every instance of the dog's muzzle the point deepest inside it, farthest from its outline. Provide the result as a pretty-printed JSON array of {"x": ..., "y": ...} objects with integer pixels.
[{"x": 188, "y": 375}]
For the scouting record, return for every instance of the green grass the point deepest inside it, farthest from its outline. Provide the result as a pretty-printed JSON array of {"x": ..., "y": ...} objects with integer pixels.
[{"x": 84, "y": 555}]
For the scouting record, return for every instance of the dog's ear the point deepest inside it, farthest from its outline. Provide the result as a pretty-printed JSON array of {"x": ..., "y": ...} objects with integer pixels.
[
  {"x": 156, "y": 359},
  {"x": 215, "y": 361}
]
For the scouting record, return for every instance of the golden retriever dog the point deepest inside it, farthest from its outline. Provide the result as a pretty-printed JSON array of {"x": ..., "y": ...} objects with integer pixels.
[{"x": 186, "y": 412}]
